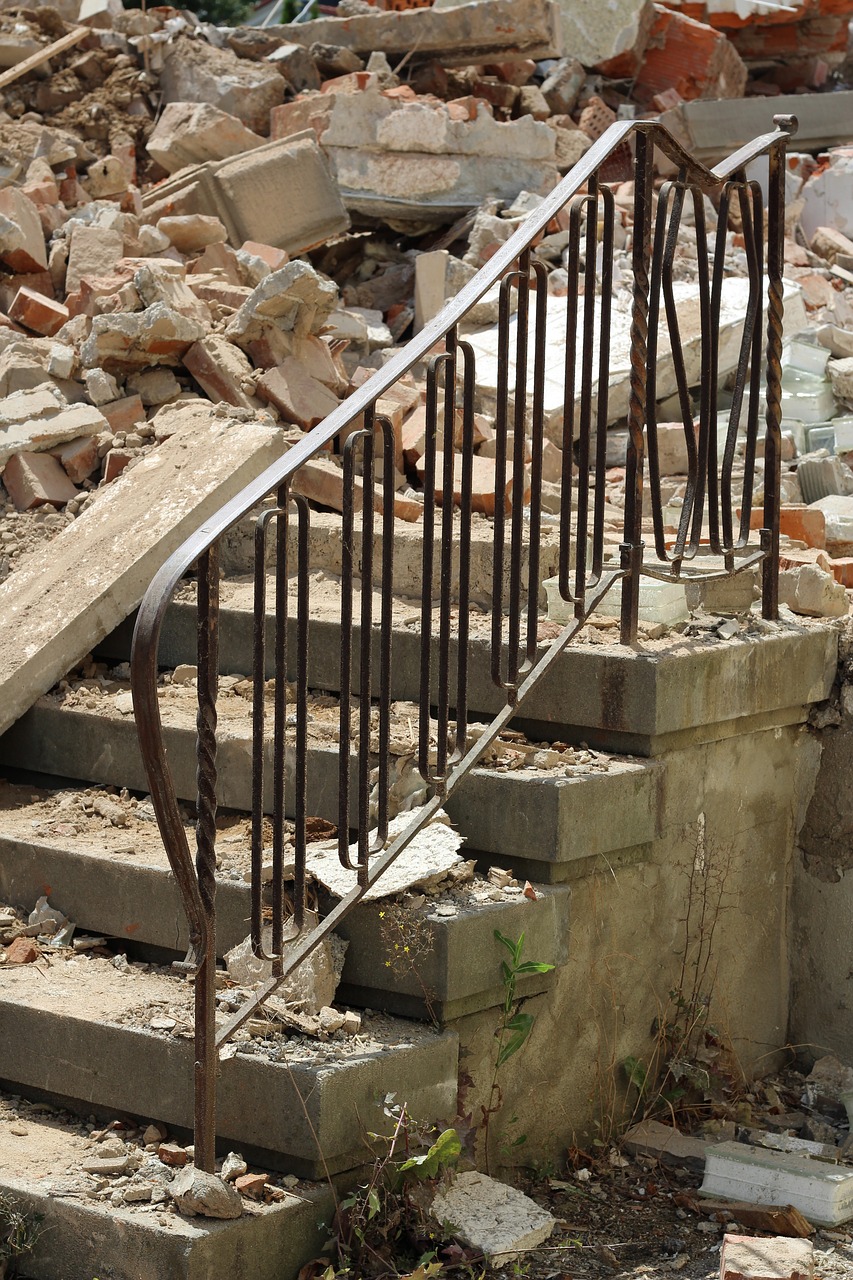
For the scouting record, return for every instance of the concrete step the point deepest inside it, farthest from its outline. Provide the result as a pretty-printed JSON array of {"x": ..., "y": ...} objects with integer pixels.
[
  {"x": 85, "y": 1235},
  {"x": 548, "y": 824},
  {"x": 78, "y": 1027},
  {"x": 654, "y": 696},
  {"x": 115, "y": 880}
]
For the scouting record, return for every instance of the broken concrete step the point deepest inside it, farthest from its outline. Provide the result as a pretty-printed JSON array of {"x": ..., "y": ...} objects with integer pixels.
[
  {"x": 643, "y": 701},
  {"x": 543, "y": 822},
  {"x": 82, "y": 1236},
  {"x": 281, "y": 1101},
  {"x": 107, "y": 890}
]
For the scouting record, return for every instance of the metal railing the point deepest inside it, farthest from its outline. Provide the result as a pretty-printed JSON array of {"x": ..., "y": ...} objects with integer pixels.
[{"x": 446, "y": 747}]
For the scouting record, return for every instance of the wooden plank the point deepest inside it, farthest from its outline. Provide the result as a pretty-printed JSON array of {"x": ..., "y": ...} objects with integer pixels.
[
  {"x": 780, "y": 1220},
  {"x": 67, "y": 41}
]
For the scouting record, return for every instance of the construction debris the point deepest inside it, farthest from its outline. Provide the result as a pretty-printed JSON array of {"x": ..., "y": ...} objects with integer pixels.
[{"x": 493, "y": 1217}]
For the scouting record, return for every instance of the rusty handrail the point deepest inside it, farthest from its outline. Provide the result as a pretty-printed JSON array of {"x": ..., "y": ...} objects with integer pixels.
[{"x": 445, "y": 752}]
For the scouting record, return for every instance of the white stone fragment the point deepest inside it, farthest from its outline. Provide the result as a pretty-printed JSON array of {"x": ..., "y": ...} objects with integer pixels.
[
  {"x": 432, "y": 853},
  {"x": 197, "y": 1192},
  {"x": 491, "y": 1216}
]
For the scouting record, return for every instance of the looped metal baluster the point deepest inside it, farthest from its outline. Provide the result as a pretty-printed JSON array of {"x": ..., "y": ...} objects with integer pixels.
[
  {"x": 537, "y": 430},
  {"x": 389, "y": 484},
  {"x": 717, "y": 275},
  {"x": 468, "y": 389},
  {"x": 258, "y": 731},
  {"x": 439, "y": 364},
  {"x": 347, "y": 534}
]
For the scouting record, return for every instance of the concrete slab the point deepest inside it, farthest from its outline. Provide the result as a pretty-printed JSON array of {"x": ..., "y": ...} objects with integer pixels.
[
  {"x": 305, "y": 1099},
  {"x": 483, "y": 32},
  {"x": 67, "y": 596},
  {"x": 84, "y": 1237},
  {"x": 571, "y": 818},
  {"x": 129, "y": 897},
  {"x": 821, "y": 1191}
]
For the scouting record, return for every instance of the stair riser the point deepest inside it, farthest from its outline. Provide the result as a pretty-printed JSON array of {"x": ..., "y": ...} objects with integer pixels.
[
  {"x": 545, "y": 819},
  {"x": 457, "y": 973},
  {"x": 264, "y": 1107}
]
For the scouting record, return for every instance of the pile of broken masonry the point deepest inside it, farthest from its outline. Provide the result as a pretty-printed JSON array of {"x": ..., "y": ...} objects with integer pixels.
[{"x": 198, "y": 221}]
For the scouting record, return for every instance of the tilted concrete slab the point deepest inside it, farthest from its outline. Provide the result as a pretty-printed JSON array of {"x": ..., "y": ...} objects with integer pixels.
[
  {"x": 573, "y": 818},
  {"x": 82, "y": 1237},
  {"x": 494, "y": 31},
  {"x": 68, "y": 595},
  {"x": 317, "y": 1100},
  {"x": 136, "y": 898}
]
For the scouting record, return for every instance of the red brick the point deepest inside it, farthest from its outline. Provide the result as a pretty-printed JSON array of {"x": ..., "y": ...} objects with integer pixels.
[
  {"x": 299, "y": 397},
  {"x": 351, "y": 82},
  {"x": 79, "y": 458},
  {"x": 842, "y": 570},
  {"x": 691, "y": 58},
  {"x": 115, "y": 462},
  {"x": 22, "y": 951},
  {"x": 35, "y": 479},
  {"x": 323, "y": 482},
  {"x": 219, "y": 368},
  {"x": 36, "y": 312},
  {"x": 173, "y": 1155},
  {"x": 252, "y": 1184},
  {"x": 483, "y": 496},
  {"x": 123, "y": 415},
  {"x": 312, "y": 112}
]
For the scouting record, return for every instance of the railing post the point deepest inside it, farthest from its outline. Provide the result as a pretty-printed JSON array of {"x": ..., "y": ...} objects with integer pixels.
[
  {"x": 775, "y": 313},
  {"x": 205, "y": 980},
  {"x": 632, "y": 543}
]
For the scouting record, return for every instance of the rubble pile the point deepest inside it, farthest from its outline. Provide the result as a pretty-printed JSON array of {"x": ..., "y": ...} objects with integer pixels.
[{"x": 152, "y": 276}]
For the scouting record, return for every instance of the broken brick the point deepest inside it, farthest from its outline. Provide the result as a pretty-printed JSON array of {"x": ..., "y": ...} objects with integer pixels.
[
  {"x": 36, "y": 479},
  {"x": 22, "y": 951},
  {"x": 691, "y": 58},
  {"x": 115, "y": 462},
  {"x": 122, "y": 415},
  {"x": 299, "y": 397},
  {"x": 35, "y": 311},
  {"x": 483, "y": 496},
  {"x": 79, "y": 458},
  {"x": 220, "y": 369}
]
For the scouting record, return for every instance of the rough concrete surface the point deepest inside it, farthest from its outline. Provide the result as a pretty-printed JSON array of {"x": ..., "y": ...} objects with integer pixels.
[{"x": 74, "y": 592}]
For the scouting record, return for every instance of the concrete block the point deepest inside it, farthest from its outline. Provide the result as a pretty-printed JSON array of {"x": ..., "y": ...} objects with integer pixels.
[
  {"x": 36, "y": 434},
  {"x": 823, "y": 1192},
  {"x": 773, "y": 1258},
  {"x": 810, "y": 591},
  {"x": 244, "y": 191},
  {"x": 192, "y": 233},
  {"x": 296, "y": 299},
  {"x": 93, "y": 251},
  {"x": 456, "y": 36},
  {"x": 35, "y": 311},
  {"x": 123, "y": 538},
  {"x": 157, "y": 335},
  {"x": 829, "y": 242},
  {"x": 651, "y": 1138},
  {"x": 189, "y": 133},
  {"x": 194, "y": 71},
  {"x": 561, "y": 88},
  {"x": 828, "y": 194},
  {"x": 492, "y": 1216},
  {"x": 33, "y": 479},
  {"x": 21, "y": 237}
]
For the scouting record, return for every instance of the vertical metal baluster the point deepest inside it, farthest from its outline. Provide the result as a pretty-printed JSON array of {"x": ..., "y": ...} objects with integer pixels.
[
  {"x": 537, "y": 431},
  {"x": 707, "y": 393},
  {"x": 300, "y": 812},
  {"x": 279, "y": 726},
  {"x": 258, "y": 686},
  {"x": 658, "y": 252},
  {"x": 389, "y": 488},
  {"x": 585, "y": 415},
  {"x": 468, "y": 389},
  {"x": 346, "y": 654},
  {"x": 720, "y": 248},
  {"x": 605, "y": 310},
  {"x": 366, "y": 648},
  {"x": 436, "y": 364},
  {"x": 692, "y": 487},
  {"x": 446, "y": 562},
  {"x": 751, "y": 320},
  {"x": 569, "y": 380},
  {"x": 519, "y": 450},
  {"x": 632, "y": 544},
  {"x": 775, "y": 312},
  {"x": 754, "y": 240},
  {"x": 499, "y": 533},
  {"x": 205, "y": 980}
]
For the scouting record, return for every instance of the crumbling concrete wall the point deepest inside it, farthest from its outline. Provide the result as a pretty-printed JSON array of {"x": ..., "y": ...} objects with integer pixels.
[
  {"x": 822, "y": 908},
  {"x": 730, "y": 805}
]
